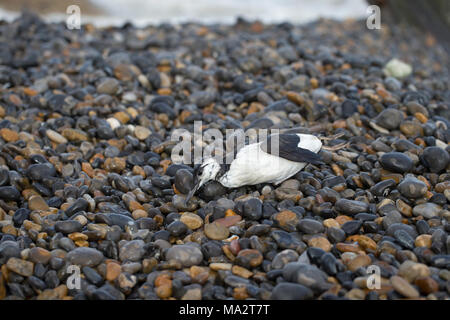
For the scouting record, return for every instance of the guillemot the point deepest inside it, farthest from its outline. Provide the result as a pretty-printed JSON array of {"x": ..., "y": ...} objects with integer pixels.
[{"x": 273, "y": 160}]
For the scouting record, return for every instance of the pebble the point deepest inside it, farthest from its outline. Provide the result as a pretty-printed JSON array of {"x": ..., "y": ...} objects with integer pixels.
[
  {"x": 132, "y": 250},
  {"x": 427, "y": 210},
  {"x": 9, "y": 193},
  {"x": 412, "y": 188},
  {"x": 84, "y": 256},
  {"x": 216, "y": 231},
  {"x": 310, "y": 226},
  {"x": 56, "y": 137},
  {"x": 351, "y": 207},
  {"x": 141, "y": 133},
  {"x": 389, "y": 118},
  {"x": 320, "y": 242},
  {"x": 187, "y": 255},
  {"x": 108, "y": 86},
  {"x": 411, "y": 270},
  {"x": 191, "y": 220},
  {"x": 291, "y": 291},
  {"x": 435, "y": 158},
  {"x": 37, "y": 203},
  {"x": 19, "y": 266},
  {"x": 39, "y": 255},
  {"x": 68, "y": 226},
  {"x": 249, "y": 258},
  {"x": 184, "y": 181},
  {"x": 404, "y": 288},
  {"x": 397, "y": 69},
  {"x": 396, "y": 162}
]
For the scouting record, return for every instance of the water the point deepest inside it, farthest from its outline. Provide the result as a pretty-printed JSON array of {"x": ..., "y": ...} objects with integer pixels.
[{"x": 143, "y": 12}]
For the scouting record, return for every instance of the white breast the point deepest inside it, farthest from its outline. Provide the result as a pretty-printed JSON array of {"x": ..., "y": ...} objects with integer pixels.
[{"x": 254, "y": 166}]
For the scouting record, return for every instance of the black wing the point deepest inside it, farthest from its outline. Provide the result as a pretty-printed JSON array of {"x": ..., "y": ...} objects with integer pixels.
[{"x": 288, "y": 149}]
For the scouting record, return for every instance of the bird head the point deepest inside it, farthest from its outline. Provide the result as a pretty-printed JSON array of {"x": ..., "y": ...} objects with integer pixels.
[{"x": 203, "y": 173}]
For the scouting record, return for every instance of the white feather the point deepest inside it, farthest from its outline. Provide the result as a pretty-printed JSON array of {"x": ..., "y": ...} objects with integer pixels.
[{"x": 254, "y": 166}]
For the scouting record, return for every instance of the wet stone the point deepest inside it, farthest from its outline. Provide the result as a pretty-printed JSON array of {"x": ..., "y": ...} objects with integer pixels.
[
  {"x": 9, "y": 193},
  {"x": 352, "y": 227},
  {"x": 68, "y": 226},
  {"x": 291, "y": 291},
  {"x": 19, "y": 266},
  {"x": 216, "y": 231},
  {"x": 249, "y": 258},
  {"x": 404, "y": 239},
  {"x": 177, "y": 228},
  {"x": 404, "y": 288},
  {"x": 108, "y": 86},
  {"x": 389, "y": 119},
  {"x": 427, "y": 210},
  {"x": 250, "y": 209},
  {"x": 84, "y": 256},
  {"x": 351, "y": 207},
  {"x": 336, "y": 235},
  {"x": 184, "y": 181},
  {"x": 79, "y": 205},
  {"x": 132, "y": 250},
  {"x": 283, "y": 258},
  {"x": 310, "y": 226},
  {"x": 307, "y": 275},
  {"x": 396, "y": 162},
  {"x": 39, "y": 255},
  {"x": 187, "y": 255},
  {"x": 435, "y": 158},
  {"x": 412, "y": 188}
]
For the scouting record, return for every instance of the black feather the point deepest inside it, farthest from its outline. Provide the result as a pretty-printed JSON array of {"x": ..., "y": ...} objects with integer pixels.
[{"x": 289, "y": 150}]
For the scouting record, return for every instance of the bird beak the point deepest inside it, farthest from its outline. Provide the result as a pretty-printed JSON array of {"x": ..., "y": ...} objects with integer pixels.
[
  {"x": 197, "y": 184},
  {"x": 191, "y": 194}
]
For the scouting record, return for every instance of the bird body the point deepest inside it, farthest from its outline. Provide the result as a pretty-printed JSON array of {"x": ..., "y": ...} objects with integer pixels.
[
  {"x": 253, "y": 165},
  {"x": 274, "y": 160}
]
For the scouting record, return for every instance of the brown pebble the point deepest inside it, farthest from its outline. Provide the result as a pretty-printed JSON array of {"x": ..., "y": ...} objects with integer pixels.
[
  {"x": 39, "y": 255},
  {"x": 191, "y": 220},
  {"x": 216, "y": 231},
  {"x": 358, "y": 262},
  {"x": 320, "y": 242},
  {"x": 241, "y": 272},
  {"x": 9, "y": 135},
  {"x": 37, "y": 203},
  {"x": 19, "y": 266},
  {"x": 403, "y": 287},
  {"x": 112, "y": 271},
  {"x": 229, "y": 221},
  {"x": 427, "y": 285},
  {"x": 250, "y": 258},
  {"x": 287, "y": 220},
  {"x": 423, "y": 240},
  {"x": 240, "y": 293}
]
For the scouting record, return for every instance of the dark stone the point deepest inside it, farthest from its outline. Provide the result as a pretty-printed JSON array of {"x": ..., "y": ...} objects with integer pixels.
[
  {"x": 352, "y": 227},
  {"x": 351, "y": 207},
  {"x": 79, "y": 205},
  {"x": 396, "y": 162},
  {"x": 291, "y": 291},
  {"x": 9, "y": 193},
  {"x": 435, "y": 159},
  {"x": 184, "y": 181},
  {"x": 68, "y": 226}
]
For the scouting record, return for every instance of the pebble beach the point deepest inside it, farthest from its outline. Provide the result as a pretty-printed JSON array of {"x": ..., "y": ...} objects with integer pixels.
[{"x": 87, "y": 179}]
